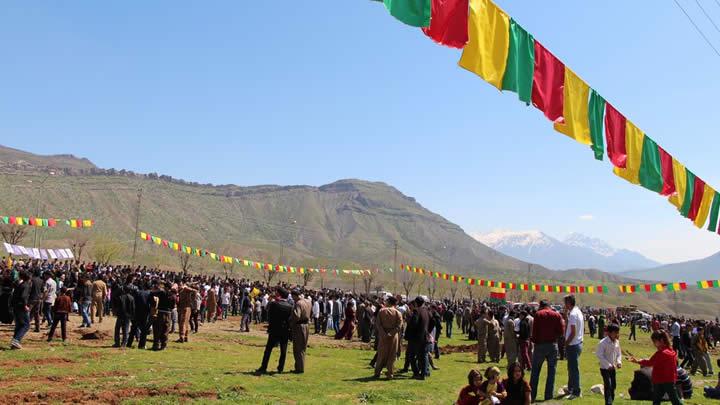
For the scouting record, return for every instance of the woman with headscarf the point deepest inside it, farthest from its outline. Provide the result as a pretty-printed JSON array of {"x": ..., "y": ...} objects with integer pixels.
[{"x": 349, "y": 325}]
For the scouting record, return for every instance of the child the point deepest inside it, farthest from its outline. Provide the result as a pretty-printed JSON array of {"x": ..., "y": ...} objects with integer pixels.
[
  {"x": 664, "y": 364},
  {"x": 517, "y": 390},
  {"x": 492, "y": 387},
  {"x": 471, "y": 394},
  {"x": 62, "y": 307},
  {"x": 610, "y": 356}
]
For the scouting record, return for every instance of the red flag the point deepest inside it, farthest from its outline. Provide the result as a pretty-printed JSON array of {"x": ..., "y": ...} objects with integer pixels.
[
  {"x": 615, "y": 136},
  {"x": 449, "y": 23},
  {"x": 683, "y": 286},
  {"x": 698, "y": 192},
  {"x": 667, "y": 172},
  {"x": 548, "y": 82},
  {"x": 581, "y": 289},
  {"x": 647, "y": 287}
]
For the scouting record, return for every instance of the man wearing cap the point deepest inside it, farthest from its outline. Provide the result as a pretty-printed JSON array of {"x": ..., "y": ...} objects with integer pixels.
[
  {"x": 278, "y": 314},
  {"x": 548, "y": 327},
  {"x": 300, "y": 329}
]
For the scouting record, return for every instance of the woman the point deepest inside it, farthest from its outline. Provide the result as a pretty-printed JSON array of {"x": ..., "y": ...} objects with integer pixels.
[
  {"x": 349, "y": 325},
  {"x": 471, "y": 394},
  {"x": 516, "y": 388}
]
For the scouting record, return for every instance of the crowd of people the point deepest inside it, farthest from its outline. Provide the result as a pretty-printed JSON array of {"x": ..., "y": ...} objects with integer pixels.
[{"x": 150, "y": 302}]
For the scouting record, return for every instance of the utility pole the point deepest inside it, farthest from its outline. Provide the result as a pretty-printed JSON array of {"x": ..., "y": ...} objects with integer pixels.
[
  {"x": 395, "y": 266},
  {"x": 137, "y": 224}
]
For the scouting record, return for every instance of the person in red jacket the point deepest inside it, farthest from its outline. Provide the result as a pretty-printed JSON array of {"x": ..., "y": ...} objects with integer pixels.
[
  {"x": 62, "y": 307},
  {"x": 664, "y": 369},
  {"x": 472, "y": 394}
]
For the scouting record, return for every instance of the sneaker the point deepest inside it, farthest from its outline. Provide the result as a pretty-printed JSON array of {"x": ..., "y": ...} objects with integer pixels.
[{"x": 15, "y": 345}]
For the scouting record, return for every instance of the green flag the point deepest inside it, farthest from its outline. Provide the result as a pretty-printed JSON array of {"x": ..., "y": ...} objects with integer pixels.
[
  {"x": 712, "y": 226},
  {"x": 596, "y": 111},
  {"x": 411, "y": 12},
  {"x": 689, "y": 191},
  {"x": 520, "y": 63},
  {"x": 650, "y": 167}
]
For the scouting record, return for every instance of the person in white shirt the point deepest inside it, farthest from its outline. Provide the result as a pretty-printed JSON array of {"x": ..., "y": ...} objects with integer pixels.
[
  {"x": 574, "y": 331},
  {"x": 49, "y": 297},
  {"x": 610, "y": 356}
]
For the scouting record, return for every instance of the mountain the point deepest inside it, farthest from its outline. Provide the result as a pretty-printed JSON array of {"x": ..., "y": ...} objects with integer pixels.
[
  {"x": 575, "y": 251},
  {"x": 344, "y": 224},
  {"x": 690, "y": 271}
]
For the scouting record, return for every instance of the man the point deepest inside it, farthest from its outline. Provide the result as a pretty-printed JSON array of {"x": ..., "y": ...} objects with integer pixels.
[
  {"x": 633, "y": 327},
  {"x": 211, "y": 304},
  {"x": 99, "y": 294},
  {"x": 141, "y": 321},
  {"x": 36, "y": 298},
  {"x": 316, "y": 314},
  {"x": 49, "y": 297},
  {"x": 524, "y": 335},
  {"x": 299, "y": 324},
  {"x": 494, "y": 334},
  {"x": 388, "y": 325},
  {"x": 186, "y": 300},
  {"x": 675, "y": 332},
  {"x": 448, "y": 317},
  {"x": 164, "y": 299},
  {"x": 510, "y": 338},
  {"x": 124, "y": 310},
  {"x": 481, "y": 330},
  {"x": 246, "y": 309},
  {"x": 573, "y": 345},
  {"x": 278, "y": 314},
  {"x": 85, "y": 298},
  {"x": 419, "y": 340},
  {"x": 20, "y": 303},
  {"x": 336, "y": 313},
  {"x": 547, "y": 327}
]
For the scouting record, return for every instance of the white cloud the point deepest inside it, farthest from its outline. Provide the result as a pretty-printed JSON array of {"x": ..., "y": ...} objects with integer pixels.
[{"x": 586, "y": 217}]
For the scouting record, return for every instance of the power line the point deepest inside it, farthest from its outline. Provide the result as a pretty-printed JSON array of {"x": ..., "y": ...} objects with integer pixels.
[
  {"x": 702, "y": 34},
  {"x": 708, "y": 15}
]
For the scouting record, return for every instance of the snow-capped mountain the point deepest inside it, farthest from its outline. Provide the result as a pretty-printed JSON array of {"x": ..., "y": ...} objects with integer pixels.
[{"x": 576, "y": 251}]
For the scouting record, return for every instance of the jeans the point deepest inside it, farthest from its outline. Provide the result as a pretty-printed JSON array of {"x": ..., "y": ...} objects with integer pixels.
[
  {"x": 62, "y": 320},
  {"x": 224, "y": 311},
  {"x": 124, "y": 325},
  {"x": 609, "y": 385},
  {"x": 448, "y": 329},
  {"x": 22, "y": 323},
  {"x": 573, "y": 356},
  {"x": 139, "y": 329},
  {"x": 48, "y": 312},
  {"x": 271, "y": 343},
  {"x": 543, "y": 352},
  {"x": 85, "y": 311},
  {"x": 426, "y": 356},
  {"x": 336, "y": 323},
  {"x": 659, "y": 391},
  {"x": 524, "y": 354}
]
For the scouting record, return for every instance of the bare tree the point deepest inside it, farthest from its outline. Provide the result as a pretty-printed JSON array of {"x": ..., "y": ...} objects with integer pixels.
[
  {"x": 13, "y": 234},
  {"x": 453, "y": 290},
  {"x": 470, "y": 291},
  {"x": 105, "y": 249},
  {"x": 408, "y": 282},
  {"x": 185, "y": 262},
  {"x": 269, "y": 275},
  {"x": 431, "y": 284},
  {"x": 78, "y": 241},
  {"x": 307, "y": 277}
]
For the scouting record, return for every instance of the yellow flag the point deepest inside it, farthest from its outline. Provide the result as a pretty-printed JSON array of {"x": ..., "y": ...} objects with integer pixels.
[
  {"x": 633, "y": 147},
  {"x": 143, "y": 235},
  {"x": 705, "y": 204},
  {"x": 591, "y": 289},
  {"x": 486, "y": 52},
  {"x": 704, "y": 284},
  {"x": 576, "y": 123},
  {"x": 680, "y": 178}
]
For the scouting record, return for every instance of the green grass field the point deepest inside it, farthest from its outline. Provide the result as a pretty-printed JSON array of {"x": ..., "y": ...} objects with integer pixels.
[{"x": 217, "y": 366}]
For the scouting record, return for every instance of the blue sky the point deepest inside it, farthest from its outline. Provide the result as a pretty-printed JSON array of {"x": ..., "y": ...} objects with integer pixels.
[{"x": 311, "y": 92}]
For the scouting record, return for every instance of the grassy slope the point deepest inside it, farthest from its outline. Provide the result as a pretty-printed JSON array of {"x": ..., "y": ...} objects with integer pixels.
[{"x": 217, "y": 364}]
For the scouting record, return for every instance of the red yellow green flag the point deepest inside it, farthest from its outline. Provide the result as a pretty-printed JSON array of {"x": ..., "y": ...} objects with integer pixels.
[{"x": 486, "y": 52}]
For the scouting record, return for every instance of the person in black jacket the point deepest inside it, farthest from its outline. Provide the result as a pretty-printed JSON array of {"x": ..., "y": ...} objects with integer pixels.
[
  {"x": 161, "y": 324},
  {"x": 448, "y": 317},
  {"x": 141, "y": 319},
  {"x": 124, "y": 310},
  {"x": 21, "y": 309},
  {"x": 419, "y": 339},
  {"x": 279, "y": 312},
  {"x": 36, "y": 295}
]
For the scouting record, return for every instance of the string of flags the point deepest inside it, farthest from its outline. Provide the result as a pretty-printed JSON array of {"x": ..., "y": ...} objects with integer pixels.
[
  {"x": 660, "y": 287},
  {"x": 570, "y": 289},
  {"x": 499, "y": 50},
  {"x": 194, "y": 251},
  {"x": 705, "y": 284},
  {"x": 47, "y": 222}
]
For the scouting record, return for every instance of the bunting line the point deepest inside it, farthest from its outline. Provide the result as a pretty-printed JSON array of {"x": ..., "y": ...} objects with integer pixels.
[
  {"x": 500, "y": 51},
  {"x": 47, "y": 222}
]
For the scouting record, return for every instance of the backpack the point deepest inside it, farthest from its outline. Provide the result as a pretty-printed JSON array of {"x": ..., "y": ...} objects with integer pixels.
[
  {"x": 524, "y": 333},
  {"x": 641, "y": 386}
]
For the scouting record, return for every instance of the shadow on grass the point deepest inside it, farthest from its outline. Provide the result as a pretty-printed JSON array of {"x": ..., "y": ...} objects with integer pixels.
[{"x": 373, "y": 379}]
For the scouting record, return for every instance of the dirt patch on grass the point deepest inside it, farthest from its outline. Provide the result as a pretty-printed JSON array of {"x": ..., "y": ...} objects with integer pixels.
[
  {"x": 449, "y": 349},
  {"x": 35, "y": 362},
  {"x": 115, "y": 396},
  {"x": 59, "y": 381}
]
